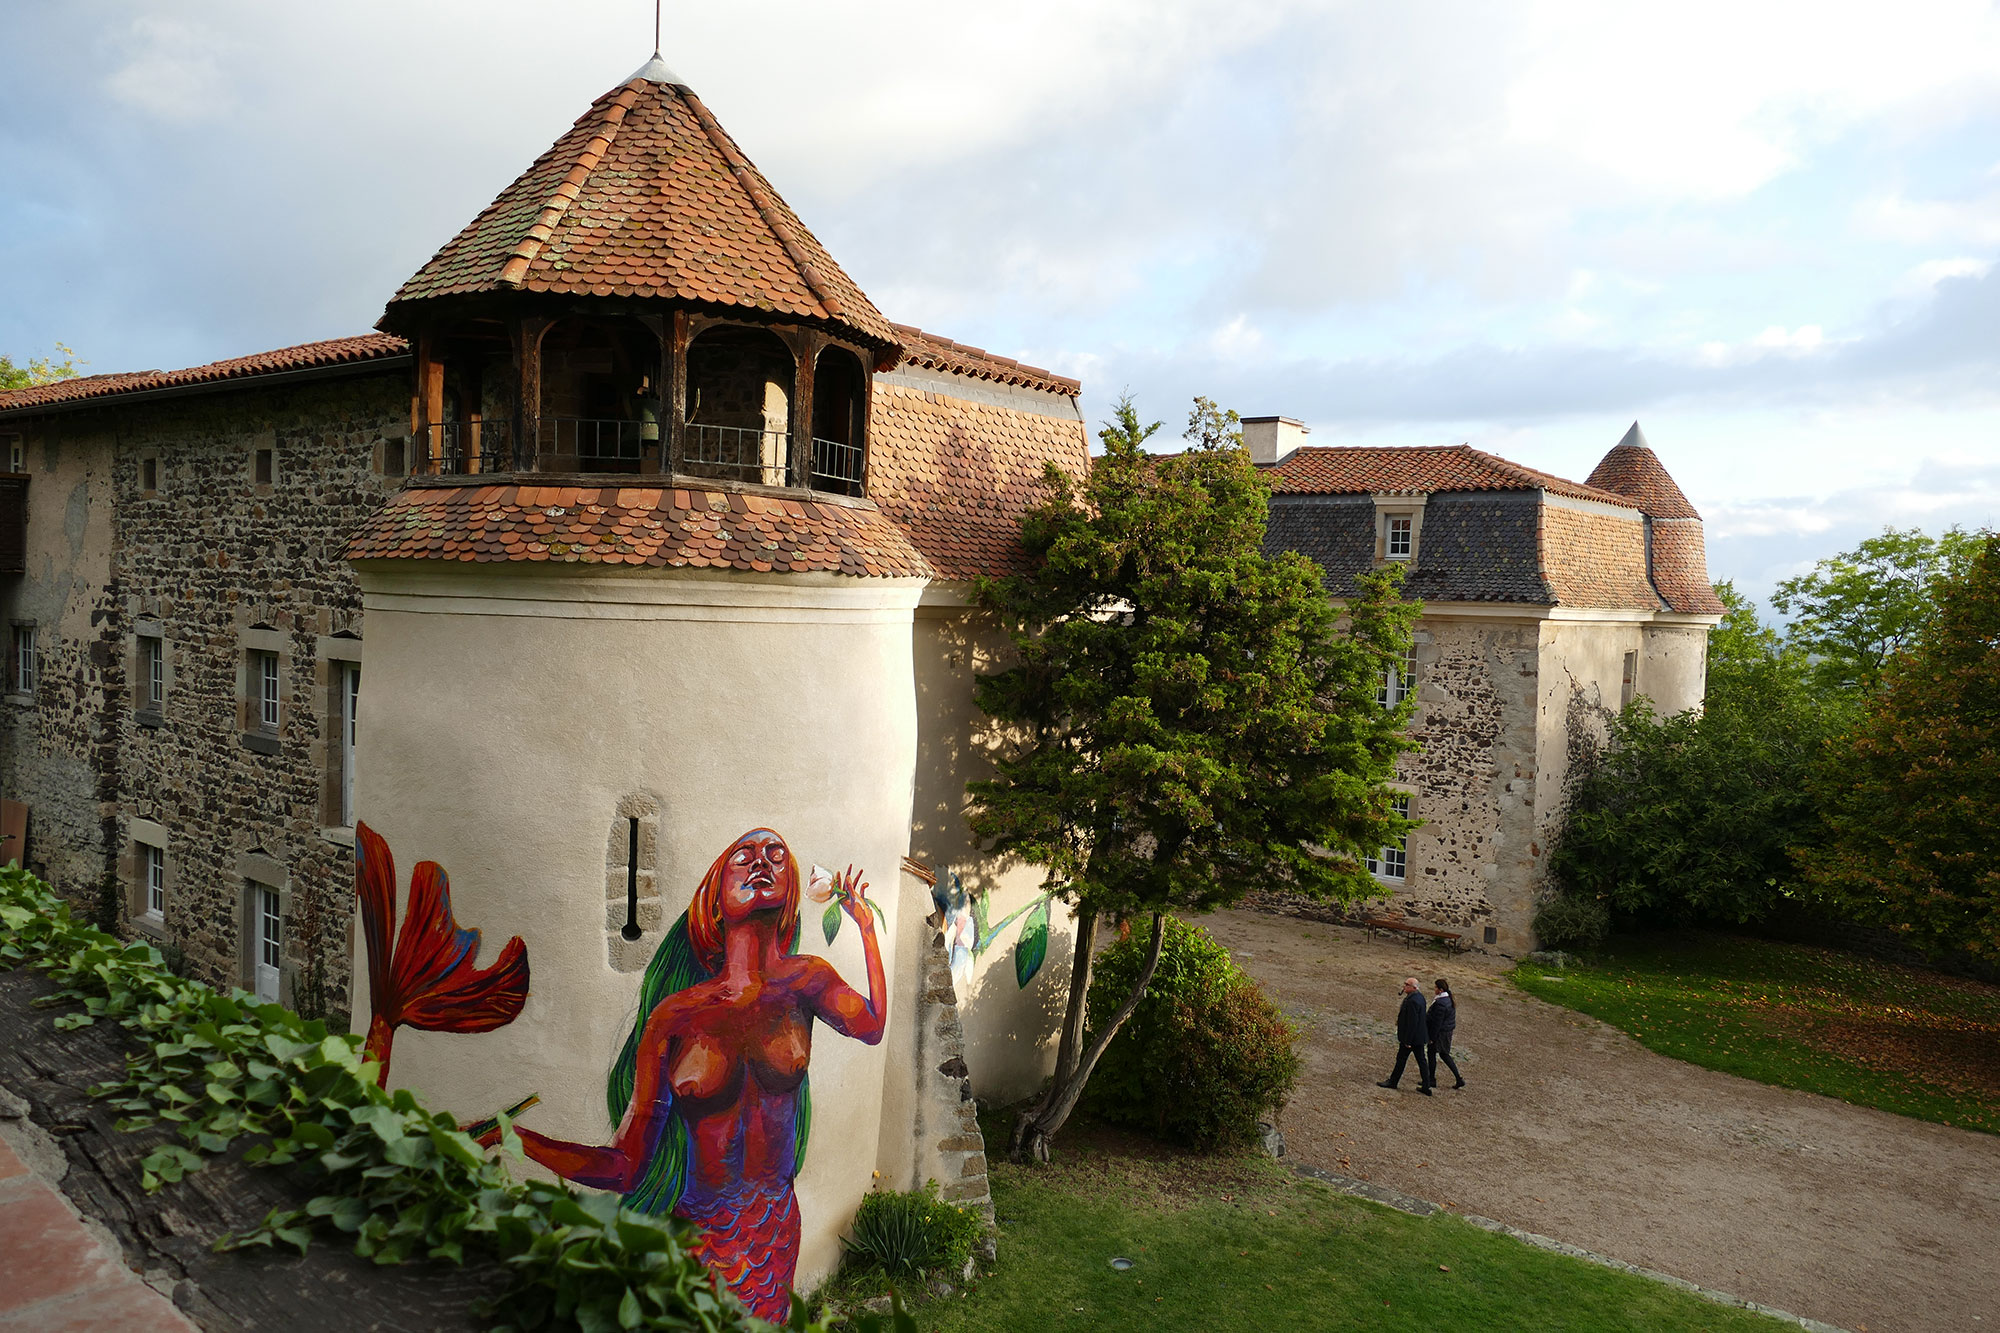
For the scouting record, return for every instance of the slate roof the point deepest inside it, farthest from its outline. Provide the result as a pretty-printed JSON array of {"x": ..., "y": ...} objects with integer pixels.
[
  {"x": 647, "y": 195},
  {"x": 1633, "y": 469},
  {"x": 1364, "y": 469},
  {"x": 958, "y": 475},
  {"x": 657, "y": 526},
  {"x": 1476, "y": 546},
  {"x": 934, "y": 353},
  {"x": 306, "y": 356}
]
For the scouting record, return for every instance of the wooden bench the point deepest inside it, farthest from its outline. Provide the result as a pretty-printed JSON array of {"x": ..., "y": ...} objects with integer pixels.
[{"x": 1413, "y": 934}]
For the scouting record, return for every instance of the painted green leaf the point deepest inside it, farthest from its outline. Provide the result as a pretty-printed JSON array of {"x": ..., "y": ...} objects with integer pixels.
[
  {"x": 830, "y": 923},
  {"x": 1033, "y": 945}
]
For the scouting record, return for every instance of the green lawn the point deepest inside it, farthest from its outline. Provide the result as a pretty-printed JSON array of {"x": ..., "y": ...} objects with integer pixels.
[
  {"x": 1243, "y": 1244},
  {"x": 1875, "y": 1034}
]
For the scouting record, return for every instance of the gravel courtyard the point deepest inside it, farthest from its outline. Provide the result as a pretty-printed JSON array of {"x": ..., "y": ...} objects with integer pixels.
[{"x": 1571, "y": 1129}]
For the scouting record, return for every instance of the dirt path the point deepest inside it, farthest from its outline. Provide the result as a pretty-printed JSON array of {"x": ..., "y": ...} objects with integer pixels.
[{"x": 1569, "y": 1128}]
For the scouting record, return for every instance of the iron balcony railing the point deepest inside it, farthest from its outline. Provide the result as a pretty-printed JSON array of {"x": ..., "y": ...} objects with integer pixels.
[
  {"x": 596, "y": 444},
  {"x": 739, "y": 453},
  {"x": 609, "y": 445},
  {"x": 837, "y": 467},
  {"x": 462, "y": 449}
]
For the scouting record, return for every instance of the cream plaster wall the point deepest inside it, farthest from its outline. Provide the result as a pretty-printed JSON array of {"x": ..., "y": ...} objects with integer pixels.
[
  {"x": 508, "y": 710},
  {"x": 1009, "y": 1030},
  {"x": 1582, "y": 676},
  {"x": 1673, "y": 666}
]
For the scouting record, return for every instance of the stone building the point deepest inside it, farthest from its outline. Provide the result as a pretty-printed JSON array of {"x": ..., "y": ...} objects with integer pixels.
[
  {"x": 1547, "y": 606},
  {"x": 636, "y": 526}
]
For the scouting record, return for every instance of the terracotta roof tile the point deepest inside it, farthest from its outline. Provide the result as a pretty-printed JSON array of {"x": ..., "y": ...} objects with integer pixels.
[
  {"x": 633, "y": 525},
  {"x": 958, "y": 475},
  {"x": 1680, "y": 567},
  {"x": 1633, "y": 470},
  {"x": 935, "y": 353},
  {"x": 1360, "y": 469},
  {"x": 306, "y": 356},
  {"x": 647, "y": 195}
]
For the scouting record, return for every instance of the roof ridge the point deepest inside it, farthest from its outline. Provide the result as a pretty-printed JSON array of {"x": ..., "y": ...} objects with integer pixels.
[
  {"x": 760, "y": 199},
  {"x": 523, "y": 256}
]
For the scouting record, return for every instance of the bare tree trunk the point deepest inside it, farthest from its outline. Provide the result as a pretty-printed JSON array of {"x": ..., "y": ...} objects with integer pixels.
[
  {"x": 1071, "y": 1046},
  {"x": 1034, "y": 1130}
]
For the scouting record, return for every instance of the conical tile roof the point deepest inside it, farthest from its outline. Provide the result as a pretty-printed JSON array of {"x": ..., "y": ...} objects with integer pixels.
[
  {"x": 647, "y": 195},
  {"x": 1633, "y": 470}
]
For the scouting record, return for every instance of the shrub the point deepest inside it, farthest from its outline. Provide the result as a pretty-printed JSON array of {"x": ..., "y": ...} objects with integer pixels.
[
  {"x": 908, "y": 1233},
  {"x": 1203, "y": 1057},
  {"x": 1571, "y": 921}
]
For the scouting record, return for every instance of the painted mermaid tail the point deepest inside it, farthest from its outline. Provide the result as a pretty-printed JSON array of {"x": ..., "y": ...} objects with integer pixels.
[{"x": 750, "y": 1241}]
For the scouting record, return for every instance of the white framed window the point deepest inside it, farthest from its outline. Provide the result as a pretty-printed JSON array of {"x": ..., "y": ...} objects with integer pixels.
[
  {"x": 350, "y": 713},
  {"x": 264, "y": 690},
  {"x": 1630, "y": 688},
  {"x": 269, "y": 926},
  {"x": 27, "y": 659},
  {"x": 1399, "y": 681},
  {"x": 153, "y": 876},
  {"x": 1392, "y": 861},
  {"x": 16, "y": 459},
  {"x": 1400, "y": 537},
  {"x": 152, "y": 671}
]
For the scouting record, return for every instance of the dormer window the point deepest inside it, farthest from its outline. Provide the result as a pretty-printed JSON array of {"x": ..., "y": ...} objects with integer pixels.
[
  {"x": 1401, "y": 531},
  {"x": 1399, "y": 527}
]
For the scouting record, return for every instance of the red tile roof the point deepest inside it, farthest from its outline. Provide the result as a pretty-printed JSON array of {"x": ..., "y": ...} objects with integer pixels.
[
  {"x": 1633, "y": 469},
  {"x": 647, "y": 195},
  {"x": 306, "y": 356},
  {"x": 1360, "y": 469},
  {"x": 1680, "y": 567},
  {"x": 958, "y": 475},
  {"x": 678, "y": 526},
  {"x": 934, "y": 353}
]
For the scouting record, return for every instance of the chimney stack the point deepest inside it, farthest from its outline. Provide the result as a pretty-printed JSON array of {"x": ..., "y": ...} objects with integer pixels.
[{"x": 1273, "y": 439}]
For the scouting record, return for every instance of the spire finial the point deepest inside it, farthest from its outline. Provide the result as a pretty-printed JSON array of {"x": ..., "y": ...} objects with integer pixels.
[{"x": 656, "y": 29}]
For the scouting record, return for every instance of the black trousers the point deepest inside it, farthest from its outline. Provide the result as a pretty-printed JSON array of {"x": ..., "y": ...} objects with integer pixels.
[
  {"x": 1441, "y": 1050},
  {"x": 1425, "y": 1076}
]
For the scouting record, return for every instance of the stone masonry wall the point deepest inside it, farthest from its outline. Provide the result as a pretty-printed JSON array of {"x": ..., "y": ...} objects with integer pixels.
[
  {"x": 951, "y": 1149},
  {"x": 1475, "y": 861},
  {"x": 53, "y": 741},
  {"x": 216, "y": 564}
]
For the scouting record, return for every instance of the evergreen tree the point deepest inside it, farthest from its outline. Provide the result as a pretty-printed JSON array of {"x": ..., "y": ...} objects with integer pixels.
[
  {"x": 1912, "y": 801},
  {"x": 1192, "y": 718}
]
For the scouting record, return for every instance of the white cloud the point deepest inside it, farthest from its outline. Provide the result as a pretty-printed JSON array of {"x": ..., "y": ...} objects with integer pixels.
[{"x": 173, "y": 70}]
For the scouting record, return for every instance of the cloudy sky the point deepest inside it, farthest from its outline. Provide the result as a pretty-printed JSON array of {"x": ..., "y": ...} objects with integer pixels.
[{"x": 1765, "y": 230}]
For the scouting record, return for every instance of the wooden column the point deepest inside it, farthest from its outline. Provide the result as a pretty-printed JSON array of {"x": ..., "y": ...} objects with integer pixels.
[
  {"x": 527, "y": 334},
  {"x": 679, "y": 335},
  {"x": 430, "y": 403},
  {"x": 472, "y": 410},
  {"x": 807, "y": 348}
]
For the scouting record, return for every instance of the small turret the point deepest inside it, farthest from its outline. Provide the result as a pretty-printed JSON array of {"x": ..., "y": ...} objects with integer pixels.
[{"x": 1676, "y": 549}]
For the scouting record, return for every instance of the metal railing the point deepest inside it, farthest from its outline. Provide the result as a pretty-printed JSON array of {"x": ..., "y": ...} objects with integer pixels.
[
  {"x": 738, "y": 453},
  {"x": 610, "y": 445},
  {"x": 596, "y": 444},
  {"x": 837, "y": 466},
  {"x": 462, "y": 449}
]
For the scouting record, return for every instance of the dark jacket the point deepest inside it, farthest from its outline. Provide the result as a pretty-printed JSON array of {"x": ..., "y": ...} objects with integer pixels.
[
  {"x": 1410, "y": 1029},
  {"x": 1443, "y": 1018}
]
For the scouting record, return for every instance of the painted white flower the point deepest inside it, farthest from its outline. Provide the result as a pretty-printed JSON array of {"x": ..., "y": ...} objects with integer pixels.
[{"x": 819, "y": 885}]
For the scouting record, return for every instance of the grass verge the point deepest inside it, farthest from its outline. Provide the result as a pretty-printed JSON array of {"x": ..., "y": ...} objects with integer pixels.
[
  {"x": 1895, "y": 1038},
  {"x": 1243, "y": 1243}
]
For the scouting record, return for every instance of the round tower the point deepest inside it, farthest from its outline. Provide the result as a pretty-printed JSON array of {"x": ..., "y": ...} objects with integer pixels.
[{"x": 639, "y": 663}]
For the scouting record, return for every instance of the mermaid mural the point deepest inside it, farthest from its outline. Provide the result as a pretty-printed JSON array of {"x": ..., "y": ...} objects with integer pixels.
[{"x": 709, "y": 1093}]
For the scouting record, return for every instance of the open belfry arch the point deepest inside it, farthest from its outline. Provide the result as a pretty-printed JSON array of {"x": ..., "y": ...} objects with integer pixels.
[{"x": 641, "y": 301}]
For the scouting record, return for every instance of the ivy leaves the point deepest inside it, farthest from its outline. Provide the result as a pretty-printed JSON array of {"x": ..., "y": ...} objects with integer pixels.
[{"x": 403, "y": 1181}]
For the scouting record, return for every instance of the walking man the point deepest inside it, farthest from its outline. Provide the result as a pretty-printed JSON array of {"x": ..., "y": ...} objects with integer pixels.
[
  {"x": 1412, "y": 1035},
  {"x": 1443, "y": 1020}
]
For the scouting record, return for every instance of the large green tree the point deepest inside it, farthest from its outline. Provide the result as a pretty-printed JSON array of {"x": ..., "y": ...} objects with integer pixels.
[
  {"x": 39, "y": 370},
  {"x": 1912, "y": 802},
  {"x": 1692, "y": 817},
  {"x": 1192, "y": 718},
  {"x": 1853, "y": 612}
]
